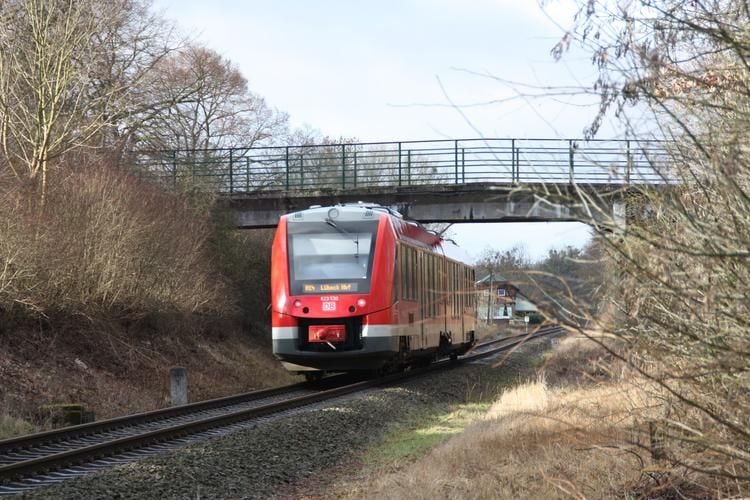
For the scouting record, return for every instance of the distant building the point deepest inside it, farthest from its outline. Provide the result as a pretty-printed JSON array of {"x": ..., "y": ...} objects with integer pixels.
[
  {"x": 524, "y": 306},
  {"x": 500, "y": 300}
]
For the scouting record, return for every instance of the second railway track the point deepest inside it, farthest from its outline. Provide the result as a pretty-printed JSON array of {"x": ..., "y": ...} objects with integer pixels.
[{"x": 31, "y": 461}]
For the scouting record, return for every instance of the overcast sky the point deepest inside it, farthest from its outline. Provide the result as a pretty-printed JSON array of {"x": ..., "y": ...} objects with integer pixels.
[{"x": 409, "y": 70}]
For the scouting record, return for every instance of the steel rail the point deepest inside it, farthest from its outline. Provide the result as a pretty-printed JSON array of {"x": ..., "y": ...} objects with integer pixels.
[
  {"x": 548, "y": 330},
  {"x": 88, "y": 429},
  {"x": 89, "y": 453}
]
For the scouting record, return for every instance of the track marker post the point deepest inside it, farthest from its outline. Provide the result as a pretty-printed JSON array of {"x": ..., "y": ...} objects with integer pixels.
[{"x": 178, "y": 386}]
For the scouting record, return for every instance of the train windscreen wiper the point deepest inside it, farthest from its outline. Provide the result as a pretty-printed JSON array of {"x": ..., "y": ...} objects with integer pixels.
[{"x": 344, "y": 231}]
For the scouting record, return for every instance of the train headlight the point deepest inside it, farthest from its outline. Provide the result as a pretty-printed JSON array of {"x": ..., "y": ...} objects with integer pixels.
[
  {"x": 361, "y": 302},
  {"x": 297, "y": 303},
  {"x": 333, "y": 213}
]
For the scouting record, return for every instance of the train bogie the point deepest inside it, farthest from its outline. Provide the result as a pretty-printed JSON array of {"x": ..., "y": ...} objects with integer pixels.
[{"x": 356, "y": 287}]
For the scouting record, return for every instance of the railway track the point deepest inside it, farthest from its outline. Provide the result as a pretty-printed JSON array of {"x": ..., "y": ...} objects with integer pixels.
[{"x": 28, "y": 462}]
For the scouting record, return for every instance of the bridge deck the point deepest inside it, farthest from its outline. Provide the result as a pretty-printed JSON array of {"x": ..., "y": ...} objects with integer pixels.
[{"x": 481, "y": 177}]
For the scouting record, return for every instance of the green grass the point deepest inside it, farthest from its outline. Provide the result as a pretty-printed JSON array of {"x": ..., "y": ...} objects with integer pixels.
[{"x": 423, "y": 430}]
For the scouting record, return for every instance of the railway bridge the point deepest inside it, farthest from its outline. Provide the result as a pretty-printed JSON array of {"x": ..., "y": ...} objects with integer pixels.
[{"x": 456, "y": 180}]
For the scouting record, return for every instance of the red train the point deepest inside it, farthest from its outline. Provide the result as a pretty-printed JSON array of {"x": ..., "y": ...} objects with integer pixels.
[{"x": 356, "y": 287}]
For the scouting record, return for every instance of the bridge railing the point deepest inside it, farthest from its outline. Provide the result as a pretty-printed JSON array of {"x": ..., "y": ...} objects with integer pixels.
[{"x": 411, "y": 163}]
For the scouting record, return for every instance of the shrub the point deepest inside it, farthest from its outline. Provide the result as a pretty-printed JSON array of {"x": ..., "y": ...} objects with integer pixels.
[{"x": 106, "y": 243}]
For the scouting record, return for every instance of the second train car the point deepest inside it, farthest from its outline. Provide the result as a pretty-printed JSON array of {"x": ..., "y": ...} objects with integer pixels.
[{"x": 356, "y": 287}]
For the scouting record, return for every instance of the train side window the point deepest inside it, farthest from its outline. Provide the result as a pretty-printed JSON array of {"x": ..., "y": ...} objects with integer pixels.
[
  {"x": 455, "y": 288},
  {"x": 426, "y": 278},
  {"x": 423, "y": 284},
  {"x": 460, "y": 290},
  {"x": 413, "y": 274},
  {"x": 451, "y": 290},
  {"x": 407, "y": 272},
  {"x": 438, "y": 285},
  {"x": 431, "y": 277},
  {"x": 447, "y": 284},
  {"x": 434, "y": 276},
  {"x": 398, "y": 275},
  {"x": 426, "y": 283},
  {"x": 464, "y": 298},
  {"x": 472, "y": 278},
  {"x": 401, "y": 260},
  {"x": 427, "y": 286},
  {"x": 471, "y": 285},
  {"x": 410, "y": 273},
  {"x": 420, "y": 282},
  {"x": 430, "y": 284},
  {"x": 442, "y": 286}
]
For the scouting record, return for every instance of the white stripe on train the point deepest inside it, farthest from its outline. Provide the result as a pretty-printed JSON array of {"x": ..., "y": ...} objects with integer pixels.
[{"x": 290, "y": 332}]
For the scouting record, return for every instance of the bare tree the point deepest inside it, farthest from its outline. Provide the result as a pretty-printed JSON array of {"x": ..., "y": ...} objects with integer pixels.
[
  {"x": 682, "y": 262},
  {"x": 42, "y": 85},
  {"x": 124, "y": 83},
  {"x": 220, "y": 113},
  {"x": 77, "y": 73}
]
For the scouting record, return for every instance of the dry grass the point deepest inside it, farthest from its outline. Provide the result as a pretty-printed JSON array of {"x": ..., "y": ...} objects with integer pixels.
[
  {"x": 534, "y": 442},
  {"x": 578, "y": 431},
  {"x": 11, "y": 425},
  {"x": 105, "y": 243},
  {"x": 580, "y": 359}
]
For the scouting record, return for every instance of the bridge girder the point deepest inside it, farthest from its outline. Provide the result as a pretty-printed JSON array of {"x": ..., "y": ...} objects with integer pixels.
[{"x": 450, "y": 203}]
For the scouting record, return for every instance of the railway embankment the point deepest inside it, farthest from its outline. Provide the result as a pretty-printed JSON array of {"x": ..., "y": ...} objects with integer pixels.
[
  {"x": 113, "y": 373},
  {"x": 308, "y": 451},
  {"x": 551, "y": 419},
  {"x": 114, "y": 281}
]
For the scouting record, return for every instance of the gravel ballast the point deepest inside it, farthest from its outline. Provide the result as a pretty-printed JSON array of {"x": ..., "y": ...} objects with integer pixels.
[{"x": 269, "y": 457}]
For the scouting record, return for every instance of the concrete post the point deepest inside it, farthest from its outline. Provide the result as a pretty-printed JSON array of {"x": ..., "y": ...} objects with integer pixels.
[{"x": 178, "y": 386}]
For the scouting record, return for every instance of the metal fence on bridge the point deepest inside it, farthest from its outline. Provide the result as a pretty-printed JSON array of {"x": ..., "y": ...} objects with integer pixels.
[{"x": 411, "y": 163}]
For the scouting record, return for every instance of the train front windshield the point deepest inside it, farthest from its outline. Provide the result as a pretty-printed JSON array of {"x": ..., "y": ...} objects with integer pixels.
[{"x": 331, "y": 256}]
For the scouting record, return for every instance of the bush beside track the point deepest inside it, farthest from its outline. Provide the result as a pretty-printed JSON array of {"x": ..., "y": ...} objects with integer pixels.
[{"x": 111, "y": 283}]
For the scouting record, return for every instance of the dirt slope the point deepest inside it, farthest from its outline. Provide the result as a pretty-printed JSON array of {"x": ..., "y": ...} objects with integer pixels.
[{"x": 118, "y": 370}]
